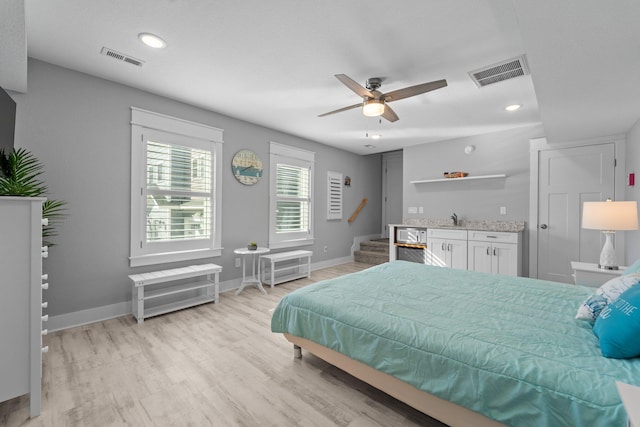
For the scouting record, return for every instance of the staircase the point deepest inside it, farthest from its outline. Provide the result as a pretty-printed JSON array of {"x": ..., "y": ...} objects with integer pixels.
[{"x": 373, "y": 252}]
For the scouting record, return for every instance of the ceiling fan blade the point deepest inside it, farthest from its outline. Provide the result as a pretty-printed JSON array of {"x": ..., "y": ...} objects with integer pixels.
[
  {"x": 389, "y": 114},
  {"x": 354, "y": 86},
  {"x": 340, "y": 110},
  {"x": 395, "y": 95}
]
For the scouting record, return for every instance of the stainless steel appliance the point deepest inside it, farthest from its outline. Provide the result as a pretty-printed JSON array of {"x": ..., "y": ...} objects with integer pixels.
[{"x": 411, "y": 235}]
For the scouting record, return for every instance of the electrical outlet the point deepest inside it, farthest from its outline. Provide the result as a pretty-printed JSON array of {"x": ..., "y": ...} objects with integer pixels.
[
  {"x": 412, "y": 210},
  {"x": 503, "y": 210},
  {"x": 421, "y": 209},
  {"x": 326, "y": 248},
  {"x": 237, "y": 262}
]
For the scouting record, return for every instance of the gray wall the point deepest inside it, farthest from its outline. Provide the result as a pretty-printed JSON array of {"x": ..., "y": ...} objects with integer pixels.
[
  {"x": 632, "y": 162},
  {"x": 79, "y": 127},
  {"x": 496, "y": 153}
]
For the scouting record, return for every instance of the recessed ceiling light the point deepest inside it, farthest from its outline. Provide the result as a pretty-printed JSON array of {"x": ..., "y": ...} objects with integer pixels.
[
  {"x": 152, "y": 40},
  {"x": 370, "y": 146},
  {"x": 513, "y": 107},
  {"x": 375, "y": 136}
]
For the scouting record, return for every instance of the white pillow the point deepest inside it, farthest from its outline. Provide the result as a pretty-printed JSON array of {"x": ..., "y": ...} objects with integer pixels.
[{"x": 604, "y": 295}]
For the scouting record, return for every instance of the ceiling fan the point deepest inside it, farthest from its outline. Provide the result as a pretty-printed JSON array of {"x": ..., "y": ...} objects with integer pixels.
[{"x": 375, "y": 102}]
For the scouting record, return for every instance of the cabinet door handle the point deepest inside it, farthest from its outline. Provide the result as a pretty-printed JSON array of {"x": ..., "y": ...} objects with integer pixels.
[
  {"x": 488, "y": 250},
  {"x": 543, "y": 226},
  {"x": 443, "y": 247},
  {"x": 449, "y": 247},
  {"x": 495, "y": 252}
]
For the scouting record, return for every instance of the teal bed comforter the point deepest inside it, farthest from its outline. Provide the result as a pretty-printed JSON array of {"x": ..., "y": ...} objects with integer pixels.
[{"x": 506, "y": 347}]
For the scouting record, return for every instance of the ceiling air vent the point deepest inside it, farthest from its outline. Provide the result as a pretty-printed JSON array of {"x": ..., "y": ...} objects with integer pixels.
[
  {"x": 121, "y": 57},
  {"x": 504, "y": 70}
]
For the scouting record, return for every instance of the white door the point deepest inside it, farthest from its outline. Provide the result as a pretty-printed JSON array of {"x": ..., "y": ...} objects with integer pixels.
[
  {"x": 567, "y": 177},
  {"x": 391, "y": 190}
]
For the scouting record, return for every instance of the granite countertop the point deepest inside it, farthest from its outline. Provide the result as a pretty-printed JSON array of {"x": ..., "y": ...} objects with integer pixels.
[{"x": 506, "y": 226}]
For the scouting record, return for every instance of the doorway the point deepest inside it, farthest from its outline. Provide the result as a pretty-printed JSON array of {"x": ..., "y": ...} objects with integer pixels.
[
  {"x": 563, "y": 177},
  {"x": 392, "y": 187}
]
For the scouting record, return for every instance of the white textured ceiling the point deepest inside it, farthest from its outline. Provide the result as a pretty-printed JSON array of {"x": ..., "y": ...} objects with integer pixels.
[{"x": 273, "y": 62}]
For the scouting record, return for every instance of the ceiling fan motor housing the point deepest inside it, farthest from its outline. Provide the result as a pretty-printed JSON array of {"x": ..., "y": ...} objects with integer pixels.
[{"x": 374, "y": 83}]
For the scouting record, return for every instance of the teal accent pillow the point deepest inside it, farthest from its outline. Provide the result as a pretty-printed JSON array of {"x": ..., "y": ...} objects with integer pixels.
[
  {"x": 618, "y": 326},
  {"x": 605, "y": 294},
  {"x": 633, "y": 268}
]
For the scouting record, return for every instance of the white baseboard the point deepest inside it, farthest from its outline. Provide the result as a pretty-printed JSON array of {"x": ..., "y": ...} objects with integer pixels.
[
  {"x": 359, "y": 239},
  {"x": 106, "y": 312},
  {"x": 91, "y": 315}
]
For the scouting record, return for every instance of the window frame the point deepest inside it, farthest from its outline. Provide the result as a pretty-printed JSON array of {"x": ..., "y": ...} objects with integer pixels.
[
  {"x": 166, "y": 129},
  {"x": 284, "y": 154}
]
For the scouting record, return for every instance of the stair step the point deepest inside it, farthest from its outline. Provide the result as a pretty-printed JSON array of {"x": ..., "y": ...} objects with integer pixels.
[
  {"x": 375, "y": 246},
  {"x": 370, "y": 257}
]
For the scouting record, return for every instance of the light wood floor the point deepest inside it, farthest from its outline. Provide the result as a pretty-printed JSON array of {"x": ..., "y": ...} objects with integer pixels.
[{"x": 212, "y": 365}]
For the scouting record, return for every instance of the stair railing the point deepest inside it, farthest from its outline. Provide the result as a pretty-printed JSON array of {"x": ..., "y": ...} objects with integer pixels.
[{"x": 355, "y": 214}]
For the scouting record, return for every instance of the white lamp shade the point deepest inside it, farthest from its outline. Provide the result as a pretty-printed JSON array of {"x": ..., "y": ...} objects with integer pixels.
[{"x": 610, "y": 215}]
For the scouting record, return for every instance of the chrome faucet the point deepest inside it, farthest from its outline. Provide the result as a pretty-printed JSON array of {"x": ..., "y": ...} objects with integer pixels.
[{"x": 454, "y": 217}]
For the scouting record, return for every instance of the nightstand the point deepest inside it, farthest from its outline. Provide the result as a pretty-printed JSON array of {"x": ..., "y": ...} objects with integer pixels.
[{"x": 588, "y": 274}]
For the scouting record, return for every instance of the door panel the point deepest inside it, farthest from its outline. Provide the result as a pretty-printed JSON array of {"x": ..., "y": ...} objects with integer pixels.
[
  {"x": 568, "y": 177},
  {"x": 392, "y": 190},
  {"x": 479, "y": 256}
]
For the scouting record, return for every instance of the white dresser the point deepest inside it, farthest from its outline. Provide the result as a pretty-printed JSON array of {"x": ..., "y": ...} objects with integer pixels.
[{"x": 21, "y": 284}]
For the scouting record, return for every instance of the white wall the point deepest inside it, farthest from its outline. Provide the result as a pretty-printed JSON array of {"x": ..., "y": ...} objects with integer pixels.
[
  {"x": 632, "y": 164},
  {"x": 79, "y": 127}
]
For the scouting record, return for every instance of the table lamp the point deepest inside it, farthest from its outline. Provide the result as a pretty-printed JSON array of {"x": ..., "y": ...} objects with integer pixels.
[{"x": 609, "y": 217}]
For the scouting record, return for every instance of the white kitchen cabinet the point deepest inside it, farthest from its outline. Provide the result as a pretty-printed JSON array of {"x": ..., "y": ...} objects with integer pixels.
[
  {"x": 494, "y": 252},
  {"x": 447, "y": 248},
  {"x": 21, "y": 284}
]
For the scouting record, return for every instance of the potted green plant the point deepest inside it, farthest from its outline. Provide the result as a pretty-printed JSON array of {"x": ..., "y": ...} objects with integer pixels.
[
  {"x": 20, "y": 176},
  {"x": 252, "y": 246}
]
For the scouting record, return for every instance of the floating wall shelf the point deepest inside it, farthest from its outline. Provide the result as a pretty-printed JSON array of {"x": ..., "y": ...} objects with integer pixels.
[{"x": 466, "y": 178}]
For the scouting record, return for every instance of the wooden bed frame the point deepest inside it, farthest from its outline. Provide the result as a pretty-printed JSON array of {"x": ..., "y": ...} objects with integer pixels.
[{"x": 440, "y": 409}]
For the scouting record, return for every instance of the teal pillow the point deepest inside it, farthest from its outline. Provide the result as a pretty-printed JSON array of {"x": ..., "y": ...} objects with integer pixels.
[
  {"x": 618, "y": 326},
  {"x": 633, "y": 268}
]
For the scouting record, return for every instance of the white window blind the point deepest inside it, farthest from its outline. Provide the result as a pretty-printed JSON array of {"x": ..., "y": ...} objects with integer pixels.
[
  {"x": 179, "y": 183},
  {"x": 291, "y": 201},
  {"x": 334, "y": 195},
  {"x": 292, "y": 192}
]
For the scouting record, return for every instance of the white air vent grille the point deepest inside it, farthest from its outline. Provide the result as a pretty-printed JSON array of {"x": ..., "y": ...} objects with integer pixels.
[
  {"x": 121, "y": 57},
  {"x": 505, "y": 70}
]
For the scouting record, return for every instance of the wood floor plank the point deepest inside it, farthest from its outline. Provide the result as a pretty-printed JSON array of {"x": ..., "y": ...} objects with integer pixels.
[{"x": 210, "y": 365}]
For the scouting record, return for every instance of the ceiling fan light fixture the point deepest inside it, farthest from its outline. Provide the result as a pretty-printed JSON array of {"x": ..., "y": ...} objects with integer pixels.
[
  {"x": 513, "y": 107},
  {"x": 373, "y": 108}
]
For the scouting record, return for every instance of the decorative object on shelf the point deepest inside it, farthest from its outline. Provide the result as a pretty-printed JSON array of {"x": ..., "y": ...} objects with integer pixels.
[
  {"x": 252, "y": 246},
  {"x": 246, "y": 167},
  {"x": 608, "y": 217},
  {"x": 455, "y": 174},
  {"x": 19, "y": 176},
  {"x": 347, "y": 181}
]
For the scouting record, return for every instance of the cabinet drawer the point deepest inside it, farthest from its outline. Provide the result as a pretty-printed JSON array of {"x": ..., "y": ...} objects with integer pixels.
[
  {"x": 490, "y": 236},
  {"x": 446, "y": 233}
]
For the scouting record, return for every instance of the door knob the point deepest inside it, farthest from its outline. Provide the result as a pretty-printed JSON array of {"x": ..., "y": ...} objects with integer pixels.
[{"x": 543, "y": 226}]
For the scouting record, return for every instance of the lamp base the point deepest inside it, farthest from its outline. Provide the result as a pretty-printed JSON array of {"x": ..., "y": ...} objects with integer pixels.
[{"x": 608, "y": 254}]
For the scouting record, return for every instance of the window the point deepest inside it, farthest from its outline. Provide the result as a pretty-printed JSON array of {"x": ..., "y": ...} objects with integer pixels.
[
  {"x": 291, "y": 206},
  {"x": 175, "y": 194}
]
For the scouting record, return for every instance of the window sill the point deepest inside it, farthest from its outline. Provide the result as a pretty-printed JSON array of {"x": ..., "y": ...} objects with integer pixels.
[
  {"x": 291, "y": 244},
  {"x": 141, "y": 260}
]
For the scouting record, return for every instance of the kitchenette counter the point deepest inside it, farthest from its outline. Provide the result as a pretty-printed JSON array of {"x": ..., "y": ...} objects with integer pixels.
[{"x": 504, "y": 226}]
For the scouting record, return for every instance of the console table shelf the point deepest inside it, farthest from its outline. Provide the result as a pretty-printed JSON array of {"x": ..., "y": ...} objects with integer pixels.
[{"x": 466, "y": 178}]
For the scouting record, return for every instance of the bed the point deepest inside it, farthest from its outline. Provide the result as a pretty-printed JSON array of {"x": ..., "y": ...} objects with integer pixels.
[{"x": 469, "y": 349}]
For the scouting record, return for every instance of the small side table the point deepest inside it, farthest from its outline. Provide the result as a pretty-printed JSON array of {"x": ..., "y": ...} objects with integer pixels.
[
  {"x": 588, "y": 274},
  {"x": 255, "y": 260}
]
